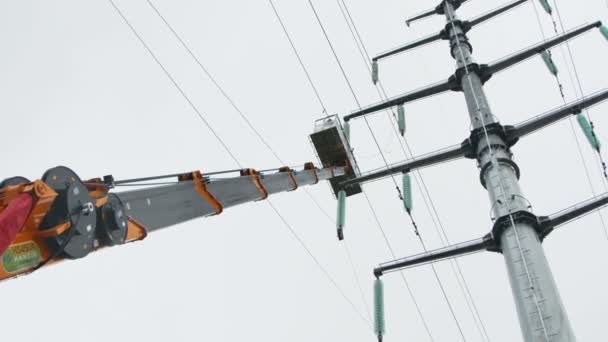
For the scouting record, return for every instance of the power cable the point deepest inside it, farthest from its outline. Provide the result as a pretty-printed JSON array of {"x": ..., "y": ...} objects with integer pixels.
[
  {"x": 570, "y": 120},
  {"x": 177, "y": 86},
  {"x": 382, "y": 93},
  {"x": 238, "y": 110},
  {"x": 384, "y": 158},
  {"x": 495, "y": 164},
  {"x": 295, "y": 51},
  {"x": 308, "y": 251}
]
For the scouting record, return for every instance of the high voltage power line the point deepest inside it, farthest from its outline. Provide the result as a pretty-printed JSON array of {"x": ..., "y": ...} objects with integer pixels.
[
  {"x": 464, "y": 287},
  {"x": 301, "y": 242}
]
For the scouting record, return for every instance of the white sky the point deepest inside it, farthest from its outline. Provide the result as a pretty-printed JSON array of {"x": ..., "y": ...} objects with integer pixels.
[{"x": 78, "y": 89}]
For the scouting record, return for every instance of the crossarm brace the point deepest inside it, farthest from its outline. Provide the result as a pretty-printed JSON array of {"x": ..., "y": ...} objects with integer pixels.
[{"x": 437, "y": 255}]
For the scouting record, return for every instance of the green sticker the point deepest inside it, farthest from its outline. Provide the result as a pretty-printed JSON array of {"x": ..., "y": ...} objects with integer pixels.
[{"x": 21, "y": 256}]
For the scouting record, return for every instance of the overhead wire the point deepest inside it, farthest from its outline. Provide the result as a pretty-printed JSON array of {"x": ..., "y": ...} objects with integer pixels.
[
  {"x": 295, "y": 51},
  {"x": 174, "y": 82},
  {"x": 242, "y": 114},
  {"x": 416, "y": 231},
  {"x": 287, "y": 225},
  {"x": 420, "y": 183},
  {"x": 580, "y": 93},
  {"x": 571, "y": 120}
]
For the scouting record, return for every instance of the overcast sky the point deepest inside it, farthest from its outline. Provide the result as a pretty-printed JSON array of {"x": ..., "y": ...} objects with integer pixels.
[{"x": 78, "y": 89}]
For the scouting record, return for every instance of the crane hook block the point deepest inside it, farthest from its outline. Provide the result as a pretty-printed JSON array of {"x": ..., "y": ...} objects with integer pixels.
[{"x": 330, "y": 141}]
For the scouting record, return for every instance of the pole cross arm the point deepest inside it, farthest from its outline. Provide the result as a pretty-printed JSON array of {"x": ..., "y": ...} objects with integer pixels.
[
  {"x": 470, "y": 247},
  {"x": 494, "y": 13},
  {"x": 439, "y": 10},
  {"x": 441, "y": 156},
  {"x": 415, "y": 95},
  {"x": 557, "y": 114},
  {"x": 549, "y": 223},
  {"x": 443, "y": 34},
  {"x": 412, "y": 45},
  {"x": 533, "y": 50}
]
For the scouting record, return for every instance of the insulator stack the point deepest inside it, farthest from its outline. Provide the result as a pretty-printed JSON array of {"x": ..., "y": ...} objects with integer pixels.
[
  {"x": 604, "y": 31},
  {"x": 341, "y": 215},
  {"x": 346, "y": 131},
  {"x": 375, "y": 72},
  {"x": 549, "y": 62},
  {"x": 588, "y": 131},
  {"x": 407, "y": 192},
  {"x": 546, "y": 6},
  {"x": 379, "y": 325},
  {"x": 401, "y": 119}
]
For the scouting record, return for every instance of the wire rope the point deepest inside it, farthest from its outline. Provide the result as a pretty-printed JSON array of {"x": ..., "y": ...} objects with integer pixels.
[
  {"x": 571, "y": 120},
  {"x": 384, "y": 159},
  {"x": 287, "y": 225},
  {"x": 419, "y": 179}
]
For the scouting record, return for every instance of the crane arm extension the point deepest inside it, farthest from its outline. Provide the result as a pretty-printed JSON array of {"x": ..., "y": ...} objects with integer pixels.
[{"x": 67, "y": 218}]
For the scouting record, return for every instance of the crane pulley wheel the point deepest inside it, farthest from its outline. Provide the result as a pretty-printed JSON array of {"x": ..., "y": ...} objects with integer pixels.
[
  {"x": 73, "y": 204},
  {"x": 112, "y": 222}
]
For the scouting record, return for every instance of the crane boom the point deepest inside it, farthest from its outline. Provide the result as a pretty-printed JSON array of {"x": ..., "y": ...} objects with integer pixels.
[{"x": 62, "y": 217}]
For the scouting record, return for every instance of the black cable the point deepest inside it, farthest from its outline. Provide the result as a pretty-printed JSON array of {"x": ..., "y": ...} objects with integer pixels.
[
  {"x": 383, "y": 95},
  {"x": 293, "y": 47},
  {"x": 242, "y": 115},
  {"x": 177, "y": 86},
  {"x": 413, "y": 222}
]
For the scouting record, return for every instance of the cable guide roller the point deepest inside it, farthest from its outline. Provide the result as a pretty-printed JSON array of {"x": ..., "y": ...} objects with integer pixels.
[{"x": 333, "y": 149}]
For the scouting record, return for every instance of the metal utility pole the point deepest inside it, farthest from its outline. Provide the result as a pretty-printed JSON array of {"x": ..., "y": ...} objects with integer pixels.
[
  {"x": 517, "y": 233},
  {"x": 541, "y": 313}
]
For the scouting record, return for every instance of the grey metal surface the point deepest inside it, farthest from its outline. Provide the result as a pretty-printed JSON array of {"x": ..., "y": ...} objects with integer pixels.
[
  {"x": 306, "y": 177},
  {"x": 277, "y": 182},
  {"x": 234, "y": 191},
  {"x": 158, "y": 207},
  {"x": 540, "y": 310},
  {"x": 163, "y": 206}
]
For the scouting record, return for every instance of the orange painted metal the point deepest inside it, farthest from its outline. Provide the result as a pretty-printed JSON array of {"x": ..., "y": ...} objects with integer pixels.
[
  {"x": 255, "y": 177},
  {"x": 291, "y": 177}
]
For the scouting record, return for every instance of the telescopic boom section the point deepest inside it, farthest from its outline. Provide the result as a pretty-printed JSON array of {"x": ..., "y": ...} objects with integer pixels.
[{"x": 67, "y": 218}]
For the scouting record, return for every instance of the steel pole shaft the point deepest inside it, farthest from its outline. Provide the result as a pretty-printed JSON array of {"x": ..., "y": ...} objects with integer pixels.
[{"x": 540, "y": 310}]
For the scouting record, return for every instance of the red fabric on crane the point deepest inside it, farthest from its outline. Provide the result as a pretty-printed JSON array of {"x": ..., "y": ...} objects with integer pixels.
[{"x": 13, "y": 218}]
